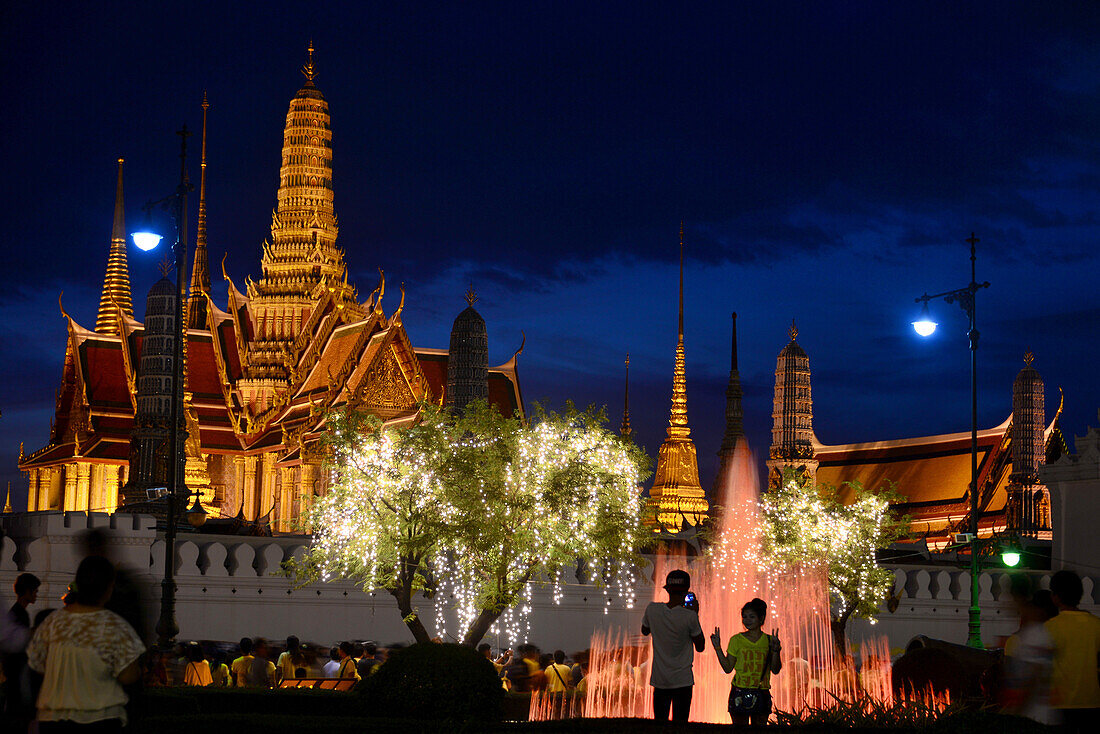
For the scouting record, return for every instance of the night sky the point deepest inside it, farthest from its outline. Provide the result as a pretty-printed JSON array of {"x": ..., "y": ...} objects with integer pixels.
[{"x": 828, "y": 161}]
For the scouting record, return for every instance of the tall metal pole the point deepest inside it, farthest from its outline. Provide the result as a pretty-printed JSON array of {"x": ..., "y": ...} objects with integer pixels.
[
  {"x": 167, "y": 628},
  {"x": 974, "y": 636},
  {"x": 966, "y": 298}
]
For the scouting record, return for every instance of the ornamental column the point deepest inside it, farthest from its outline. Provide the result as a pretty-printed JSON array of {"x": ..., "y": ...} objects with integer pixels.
[
  {"x": 286, "y": 498},
  {"x": 83, "y": 486},
  {"x": 248, "y": 494},
  {"x": 308, "y": 479},
  {"x": 45, "y": 483},
  {"x": 32, "y": 490},
  {"x": 68, "y": 499},
  {"x": 267, "y": 485},
  {"x": 111, "y": 483}
]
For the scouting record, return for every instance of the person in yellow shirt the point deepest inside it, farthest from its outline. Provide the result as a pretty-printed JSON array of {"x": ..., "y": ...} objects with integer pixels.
[
  {"x": 1075, "y": 691},
  {"x": 240, "y": 667},
  {"x": 292, "y": 662},
  {"x": 219, "y": 671},
  {"x": 756, "y": 657},
  {"x": 197, "y": 672},
  {"x": 347, "y": 661},
  {"x": 559, "y": 678}
]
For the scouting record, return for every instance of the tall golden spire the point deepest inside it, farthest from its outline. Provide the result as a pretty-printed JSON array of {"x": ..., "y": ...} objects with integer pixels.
[
  {"x": 200, "y": 272},
  {"x": 676, "y": 495},
  {"x": 116, "y": 283},
  {"x": 7, "y": 503},
  {"x": 302, "y": 252}
]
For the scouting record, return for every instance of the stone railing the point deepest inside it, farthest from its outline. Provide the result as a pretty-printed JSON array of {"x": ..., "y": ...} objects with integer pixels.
[{"x": 230, "y": 586}]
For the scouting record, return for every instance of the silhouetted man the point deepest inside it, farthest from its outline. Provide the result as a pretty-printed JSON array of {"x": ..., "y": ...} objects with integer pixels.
[{"x": 675, "y": 629}]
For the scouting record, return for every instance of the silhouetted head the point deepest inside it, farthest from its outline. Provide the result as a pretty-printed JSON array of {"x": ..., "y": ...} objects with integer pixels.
[
  {"x": 1066, "y": 588},
  {"x": 94, "y": 578},
  {"x": 194, "y": 653},
  {"x": 292, "y": 644},
  {"x": 559, "y": 656},
  {"x": 246, "y": 646}
]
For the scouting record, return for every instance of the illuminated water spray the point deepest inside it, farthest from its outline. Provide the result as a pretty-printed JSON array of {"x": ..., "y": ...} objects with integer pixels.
[{"x": 813, "y": 674}]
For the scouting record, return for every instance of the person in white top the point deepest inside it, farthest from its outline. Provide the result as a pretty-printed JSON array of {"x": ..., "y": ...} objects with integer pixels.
[
  {"x": 675, "y": 628},
  {"x": 331, "y": 669},
  {"x": 86, "y": 654}
]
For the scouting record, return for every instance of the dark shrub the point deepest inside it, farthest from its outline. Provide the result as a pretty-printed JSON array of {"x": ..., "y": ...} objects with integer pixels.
[{"x": 435, "y": 681}]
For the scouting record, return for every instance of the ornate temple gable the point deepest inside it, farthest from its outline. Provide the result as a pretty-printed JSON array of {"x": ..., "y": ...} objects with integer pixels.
[
  {"x": 129, "y": 331},
  {"x": 78, "y": 424},
  {"x": 388, "y": 380},
  {"x": 510, "y": 372},
  {"x": 221, "y": 323},
  {"x": 241, "y": 314}
]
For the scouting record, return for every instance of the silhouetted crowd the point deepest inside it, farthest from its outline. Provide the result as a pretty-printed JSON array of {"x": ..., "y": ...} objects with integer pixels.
[{"x": 75, "y": 667}]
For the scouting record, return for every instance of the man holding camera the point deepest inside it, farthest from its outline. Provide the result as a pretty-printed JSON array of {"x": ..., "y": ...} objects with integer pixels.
[{"x": 675, "y": 628}]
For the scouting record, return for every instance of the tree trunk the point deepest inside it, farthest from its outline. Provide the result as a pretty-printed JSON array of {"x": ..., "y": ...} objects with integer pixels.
[
  {"x": 402, "y": 592},
  {"x": 486, "y": 617},
  {"x": 481, "y": 625},
  {"x": 840, "y": 637}
]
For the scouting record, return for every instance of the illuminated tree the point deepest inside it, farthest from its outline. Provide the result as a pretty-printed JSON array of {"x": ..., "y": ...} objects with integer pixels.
[
  {"x": 474, "y": 505},
  {"x": 811, "y": 526}
]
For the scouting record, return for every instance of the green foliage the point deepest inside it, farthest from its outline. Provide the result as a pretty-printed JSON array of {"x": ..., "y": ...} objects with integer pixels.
[
  {"x": 867, "y": 713},
  {"x": 435, "y": 681},
  {"x": 909, "y": 715},
  {"x": 815, "y": 527},
  {"x": 476, "y": 504}
]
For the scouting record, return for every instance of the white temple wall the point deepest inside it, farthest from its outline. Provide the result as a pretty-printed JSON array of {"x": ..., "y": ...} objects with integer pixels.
[{"x": 229, "y": 587}]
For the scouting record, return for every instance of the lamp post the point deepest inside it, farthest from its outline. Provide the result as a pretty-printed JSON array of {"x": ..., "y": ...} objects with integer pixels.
[
  {"x": 926, "y": 327},
  {"x": 167, "y": 627}
]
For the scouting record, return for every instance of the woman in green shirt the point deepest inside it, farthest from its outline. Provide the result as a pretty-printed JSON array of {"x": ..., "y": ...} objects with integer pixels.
[{"x": 755, "y": 656}]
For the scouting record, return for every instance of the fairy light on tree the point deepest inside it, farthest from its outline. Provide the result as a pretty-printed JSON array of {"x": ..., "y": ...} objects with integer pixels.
[
  {"x": 472, "y": 509},
  {"x": 811, "y": 527}
]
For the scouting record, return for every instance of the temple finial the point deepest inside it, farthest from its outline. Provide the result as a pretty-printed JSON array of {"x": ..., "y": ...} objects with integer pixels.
[
  {"x": 471, "y": 296},
  {"x": 307, "y": 71},
  {"x": 200, "y": 271},
  {"x": 116, "y": 282},
  {"x": 7, "y": 504},
  {"x": 793, "y": 331},
  {"x": 1029, "y": 358},
  {"x": 624, "y": 429},
  {"x": 681, "y": 326}
]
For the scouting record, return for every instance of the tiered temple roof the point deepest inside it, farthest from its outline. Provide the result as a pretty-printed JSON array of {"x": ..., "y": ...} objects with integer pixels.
[{"x": 260, "y": 373}]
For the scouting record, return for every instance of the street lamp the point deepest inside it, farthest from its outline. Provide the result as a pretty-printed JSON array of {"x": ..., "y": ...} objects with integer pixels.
[
  {"x": 925, "y": 327},
  {"x": 176, "y": 203}
]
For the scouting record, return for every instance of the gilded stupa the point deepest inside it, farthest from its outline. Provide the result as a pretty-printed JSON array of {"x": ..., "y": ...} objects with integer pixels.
[{"x": 676, "y": 496}]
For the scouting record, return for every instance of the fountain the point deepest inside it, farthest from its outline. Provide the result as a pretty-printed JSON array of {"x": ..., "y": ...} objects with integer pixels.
[{"x": 814, "y": 675}]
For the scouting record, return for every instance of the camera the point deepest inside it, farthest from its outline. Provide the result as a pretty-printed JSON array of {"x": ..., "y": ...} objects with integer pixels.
[{"x": 691, "y": 602}]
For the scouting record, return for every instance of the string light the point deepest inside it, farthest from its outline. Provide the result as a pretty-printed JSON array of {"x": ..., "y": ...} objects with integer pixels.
[{"x": 474, "y": 510}]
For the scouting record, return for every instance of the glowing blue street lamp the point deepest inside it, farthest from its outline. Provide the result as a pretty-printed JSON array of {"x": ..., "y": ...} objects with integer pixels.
[
  {"x": 146, "y": 240},
  {"x": 924, "y": 326}
]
